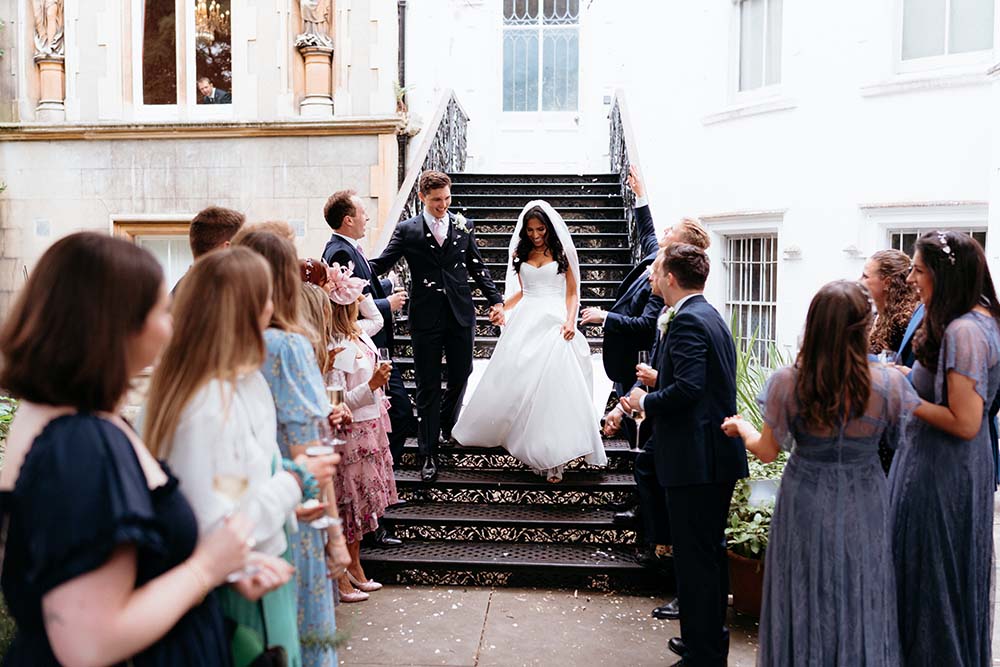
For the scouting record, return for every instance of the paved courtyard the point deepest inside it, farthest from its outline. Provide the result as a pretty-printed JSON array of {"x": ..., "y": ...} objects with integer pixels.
[{"x": 510, "y": 627}]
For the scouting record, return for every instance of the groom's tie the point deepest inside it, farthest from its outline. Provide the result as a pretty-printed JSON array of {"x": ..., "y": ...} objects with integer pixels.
[{"x": 439, "y": 230}]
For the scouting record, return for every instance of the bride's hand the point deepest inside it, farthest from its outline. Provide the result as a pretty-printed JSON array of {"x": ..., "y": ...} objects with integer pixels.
[{"x": 568, "y": 330}]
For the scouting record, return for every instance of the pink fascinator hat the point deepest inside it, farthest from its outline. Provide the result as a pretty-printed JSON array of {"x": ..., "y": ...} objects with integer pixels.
[{"x": 343, "y": 287}]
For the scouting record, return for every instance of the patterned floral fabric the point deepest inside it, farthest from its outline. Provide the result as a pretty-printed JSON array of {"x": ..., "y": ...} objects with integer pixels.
[
  {"x": 364, "y": 482},
  {"x": 293, "y": 375}
]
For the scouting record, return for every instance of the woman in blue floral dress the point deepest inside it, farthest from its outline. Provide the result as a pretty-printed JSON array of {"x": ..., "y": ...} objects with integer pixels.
[{"x": 293, "y": 376}]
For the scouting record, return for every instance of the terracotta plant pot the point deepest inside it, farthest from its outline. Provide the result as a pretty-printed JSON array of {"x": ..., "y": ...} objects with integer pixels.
[{"x": 746, "y": 580}]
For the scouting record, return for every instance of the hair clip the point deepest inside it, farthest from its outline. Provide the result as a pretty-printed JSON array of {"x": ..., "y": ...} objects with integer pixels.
[{"x": 943, "y": 240}]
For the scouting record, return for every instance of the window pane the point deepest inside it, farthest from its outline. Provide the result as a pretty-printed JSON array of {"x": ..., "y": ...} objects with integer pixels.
[
  {"x": 923, "y": 28},
  {"x": 159, "y": 53},
  {"x": 561, "y": 12},
  {"x": 520, "y": 70},
  {"x": 213, "y": 51},
  {"x": 773, "y": 57},
  {"x": 971, "y": 26},
  {"x": 751, "y": 44},
  {"x": 172, "y": 252},
  {"x": 520, "y": 12},
  {"x": 560, "y": 69}
]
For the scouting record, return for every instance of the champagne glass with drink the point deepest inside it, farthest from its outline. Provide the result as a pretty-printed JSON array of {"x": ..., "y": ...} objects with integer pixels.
[
  {"x": 231, "y": 480},
  {"x": 335, "y": 394}
]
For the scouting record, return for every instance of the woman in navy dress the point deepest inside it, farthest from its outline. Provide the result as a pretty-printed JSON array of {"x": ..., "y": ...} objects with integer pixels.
[
  {"x": 829, "y": 597},
  {"x": 942, "y": 482},
  {"x": 103, "y": 563}
]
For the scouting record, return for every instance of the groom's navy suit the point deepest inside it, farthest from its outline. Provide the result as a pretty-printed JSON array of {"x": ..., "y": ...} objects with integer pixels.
[
  {"x": 442, "y": 316},
  {"x": 631, "y": 322},
  {"x": 340, "y": 250},
  {"x": 699, "y": 465}
]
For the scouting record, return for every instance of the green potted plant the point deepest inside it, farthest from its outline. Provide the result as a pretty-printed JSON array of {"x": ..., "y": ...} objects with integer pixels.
[{"x": 753, "y": 499}]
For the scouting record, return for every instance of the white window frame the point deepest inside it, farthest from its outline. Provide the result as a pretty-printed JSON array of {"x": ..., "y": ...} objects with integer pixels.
[
  {"x": 725, "y": 226},
  {"x": 765, "y": 91},
  {"x": 190, "y": 109},
  {"x": 971, "y": 60},
  {"x": 133, "y": 227},
  {"x": 886, "y": 219},
  {"x": 540, "y": 29}
]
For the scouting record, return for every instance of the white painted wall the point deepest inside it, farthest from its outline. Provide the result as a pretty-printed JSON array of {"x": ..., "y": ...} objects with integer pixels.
[{"x": 845, "y": 129}]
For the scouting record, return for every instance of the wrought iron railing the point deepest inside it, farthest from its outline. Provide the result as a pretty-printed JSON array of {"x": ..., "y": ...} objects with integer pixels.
[
  {"x": 625, "y": 154},
  {"x": 443, "y": 148}
]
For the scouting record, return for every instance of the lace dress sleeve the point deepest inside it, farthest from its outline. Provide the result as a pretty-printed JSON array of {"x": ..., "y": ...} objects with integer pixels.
[
  {"x": 966, "y": 349},
  {"x": 778, "y": 405}
]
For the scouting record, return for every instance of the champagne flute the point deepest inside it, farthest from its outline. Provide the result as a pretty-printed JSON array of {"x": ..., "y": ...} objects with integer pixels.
[
  {"x": 644, "y": 361},
  {"x": 334, "y": 394},
  {"x": 322, "y": 449},
  {"x": 231, "y": 481},
  {"x": 637, "y": 416}
]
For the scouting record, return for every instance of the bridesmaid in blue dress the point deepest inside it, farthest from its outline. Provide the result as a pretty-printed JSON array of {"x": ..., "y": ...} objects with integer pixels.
[
  {"x": 829, "y": 597},
  {"x": 942, "y": 482},
  {"x": 300, "y": 401}
]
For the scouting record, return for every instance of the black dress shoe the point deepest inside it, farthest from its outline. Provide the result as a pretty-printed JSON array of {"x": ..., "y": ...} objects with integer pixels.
[
  {"x": 676, "y": 644},
  {"x": 626, "y": 518},
  {"x": 646, "y": 556},
  {"x": 671, "y": 611},
  {"x": 429, "y": 471}
]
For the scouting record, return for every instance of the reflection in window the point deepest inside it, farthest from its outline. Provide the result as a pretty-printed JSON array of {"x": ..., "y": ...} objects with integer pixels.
[
  {"x": 546, "y": 32},
  {"x": 213, "y": 51},
  {"x": 159, "y": 52}
]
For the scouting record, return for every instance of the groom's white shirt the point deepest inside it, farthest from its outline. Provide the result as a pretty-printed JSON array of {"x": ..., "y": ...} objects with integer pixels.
[{"x": 432, "y": 225}]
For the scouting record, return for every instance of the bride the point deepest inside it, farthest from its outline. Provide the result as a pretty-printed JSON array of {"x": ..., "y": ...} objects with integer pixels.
[{"x": 536, "y": 396}]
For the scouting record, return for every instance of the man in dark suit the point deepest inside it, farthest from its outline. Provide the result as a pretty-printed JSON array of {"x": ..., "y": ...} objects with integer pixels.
[
  {"x": 696, "y": 462},
  {"x": 345, "y": 214},
  {"x": 212, "y": 95},
  {"x": 440, "y": 249}
]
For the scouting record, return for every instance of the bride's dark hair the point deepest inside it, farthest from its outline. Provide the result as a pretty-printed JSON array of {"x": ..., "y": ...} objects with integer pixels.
[{"x": 524, "y": 244}]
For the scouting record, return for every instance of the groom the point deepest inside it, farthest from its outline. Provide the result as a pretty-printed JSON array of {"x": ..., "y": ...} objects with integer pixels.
[{"x": 440, "y": 249}]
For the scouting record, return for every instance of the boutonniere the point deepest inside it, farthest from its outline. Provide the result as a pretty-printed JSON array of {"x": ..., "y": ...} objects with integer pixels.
[
  {"x": 461, "y": 223},
  {"x": 663, "y": 321}
]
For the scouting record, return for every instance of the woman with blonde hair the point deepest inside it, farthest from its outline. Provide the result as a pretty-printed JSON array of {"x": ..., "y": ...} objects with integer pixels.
[
  {"x": 365, "y": 485},
  {"x": 210, "y": 414},
  {"x": 292, "y": 373}
]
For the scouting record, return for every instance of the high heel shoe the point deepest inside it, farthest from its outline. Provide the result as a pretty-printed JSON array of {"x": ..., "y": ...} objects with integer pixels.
[
  {"x": 354, "y": 596},
  {"x": 367, "y": 586}
]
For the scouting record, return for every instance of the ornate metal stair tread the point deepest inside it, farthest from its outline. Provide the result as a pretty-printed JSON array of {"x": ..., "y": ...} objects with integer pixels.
[
  {"x": 614, "y": 446},
  {"x": 541, "y": 179},
  {"x": 474, "y": 514},
  {"x": 519, "y": 479},
  {"x": 502, "y": 555}
]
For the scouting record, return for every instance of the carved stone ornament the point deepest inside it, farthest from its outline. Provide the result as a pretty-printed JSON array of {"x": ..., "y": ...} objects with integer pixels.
[
  {"x": 315, "y": 24},
  {"x": 48, "y": 29}
]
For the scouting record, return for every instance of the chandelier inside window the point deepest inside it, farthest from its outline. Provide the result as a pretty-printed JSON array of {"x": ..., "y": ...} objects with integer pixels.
[{"x": 210, "y": 19}]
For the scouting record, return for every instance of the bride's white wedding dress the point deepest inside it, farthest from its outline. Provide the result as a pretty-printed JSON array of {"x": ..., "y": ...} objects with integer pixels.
[{"x": 535, "y": 397}]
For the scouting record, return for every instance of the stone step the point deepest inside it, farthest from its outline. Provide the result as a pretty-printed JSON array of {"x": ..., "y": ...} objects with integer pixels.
[
  {"x": 569, "y": 213},
  {"x": 468, "y": 200},
  {"x": 479, "y": 177},
  {"x": 535, "y": 190}
]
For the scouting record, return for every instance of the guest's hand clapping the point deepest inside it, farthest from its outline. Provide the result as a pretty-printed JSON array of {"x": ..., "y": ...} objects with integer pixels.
[
  {"x": 272, "y": 573},
  {"x": 593, "y": 315},
  {"x": 224, "y": 550},
  {"x": 646, "y": 374}
]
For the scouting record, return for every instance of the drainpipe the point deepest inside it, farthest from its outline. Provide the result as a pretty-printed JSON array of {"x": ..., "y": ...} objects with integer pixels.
[{"x": 401, "y": 139}]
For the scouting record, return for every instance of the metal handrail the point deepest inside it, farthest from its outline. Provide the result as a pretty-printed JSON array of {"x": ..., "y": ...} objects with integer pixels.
[{"x": 625, "y": 153}]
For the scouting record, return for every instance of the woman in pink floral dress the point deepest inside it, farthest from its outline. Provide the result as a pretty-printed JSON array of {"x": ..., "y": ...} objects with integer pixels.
[{"x": 364, "y": 483}]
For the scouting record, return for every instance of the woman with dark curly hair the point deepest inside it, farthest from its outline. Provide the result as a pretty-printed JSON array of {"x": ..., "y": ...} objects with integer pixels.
[
  {"x": 536, "y": 397},
  {"x": 942, "y": 481},
  {"x": 895, "y": 300}
]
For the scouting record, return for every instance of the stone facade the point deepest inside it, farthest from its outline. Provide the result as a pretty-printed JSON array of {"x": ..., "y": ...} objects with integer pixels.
[{"x": 113, "y": 159}]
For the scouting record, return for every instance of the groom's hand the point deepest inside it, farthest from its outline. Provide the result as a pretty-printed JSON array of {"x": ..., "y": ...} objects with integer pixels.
[
  {"x": 496, "y": 315},
  {"x": 591, "y": 315}
]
